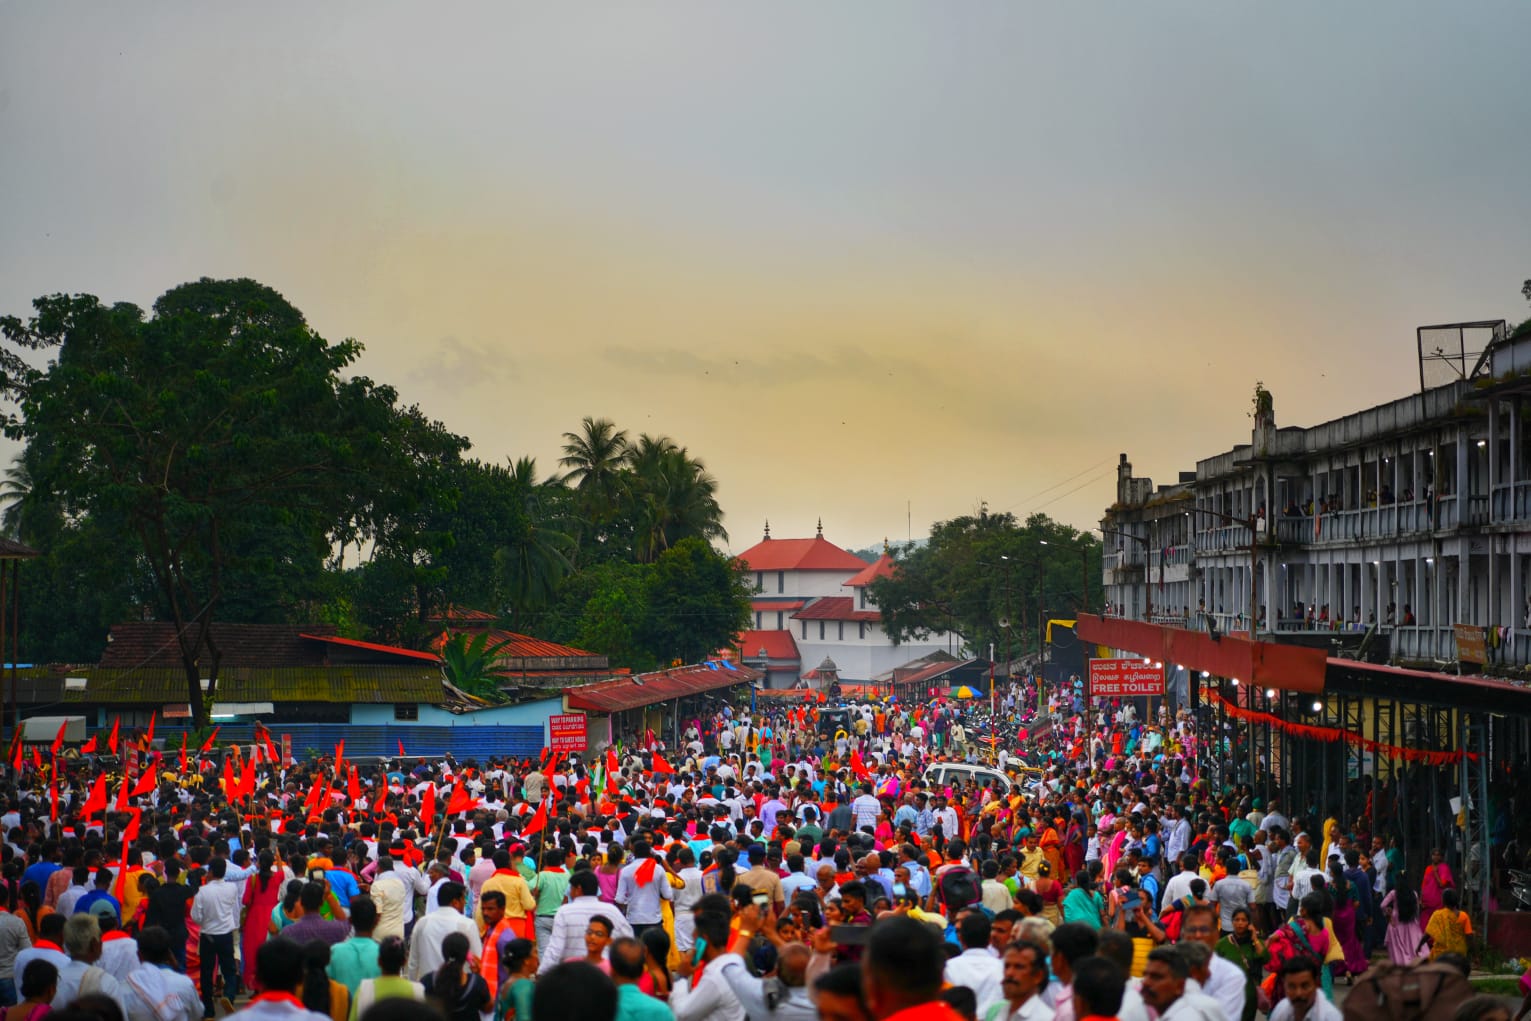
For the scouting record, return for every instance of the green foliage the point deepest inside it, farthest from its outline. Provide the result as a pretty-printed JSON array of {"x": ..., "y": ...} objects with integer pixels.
[
  {"x": 469, "y": 661},
  {"x": 219, "y": 437},
  {"x": 979, "y": 571},
  {"x": 214, "y": 458}
]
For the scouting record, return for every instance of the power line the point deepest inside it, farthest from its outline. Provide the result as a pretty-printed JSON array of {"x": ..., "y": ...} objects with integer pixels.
[
  {"x": 1055, "y": 485},
  {"x": 1066, "y": 492}
]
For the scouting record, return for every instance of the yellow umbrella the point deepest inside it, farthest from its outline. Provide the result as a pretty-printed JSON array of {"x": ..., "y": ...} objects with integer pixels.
[{"x": 964, "y": 692}]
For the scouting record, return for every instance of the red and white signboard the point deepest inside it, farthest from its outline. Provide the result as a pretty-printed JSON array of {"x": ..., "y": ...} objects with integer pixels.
[
  {"x": 566, "y": 732},
  {"x": 1125, "y": 678}
]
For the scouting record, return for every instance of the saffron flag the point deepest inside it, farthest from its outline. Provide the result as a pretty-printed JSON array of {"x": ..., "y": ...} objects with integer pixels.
[
  {"x": 858, "y": 766},
  {"x": 461, "y": 800},
  {"x": 427, "y": 807},
  {"x": 539, "y": 821},
  {"x": 96, "y": 802},
  {"x": 145, "y": 785},
  {"x": 208, "y": 744},
  {"x": 353, "y": 788},
  {"x": 122, "y": 797},
  {"x": 661, "y": 766},
  {"x": 401, "y": 748},
  {"x": 58, "y": 742},
  {"x": 111, "y": 740},
  {"x": 88, "y": 747},
  {"x": 149, "y": 734},
  {"x": 52, "y": 800},
  {"x": 183, "y": 751}
]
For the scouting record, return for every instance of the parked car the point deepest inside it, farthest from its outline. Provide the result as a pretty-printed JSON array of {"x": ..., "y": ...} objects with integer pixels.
[{"x": 953, "y": 774}]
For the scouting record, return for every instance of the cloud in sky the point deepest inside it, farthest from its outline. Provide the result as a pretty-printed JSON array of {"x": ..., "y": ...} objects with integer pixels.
[{"x": 858, "y": 258}]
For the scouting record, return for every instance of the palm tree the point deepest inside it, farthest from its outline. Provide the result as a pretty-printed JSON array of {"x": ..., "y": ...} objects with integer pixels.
[
  {"x": 677, "y": 499},
  {"x": 15, "y": 493},
  {"x": 594, "y": 456},
  {"x": 467, "y": 661}
]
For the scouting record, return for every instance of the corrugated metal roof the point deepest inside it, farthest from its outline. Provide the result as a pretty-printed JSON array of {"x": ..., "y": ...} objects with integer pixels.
[
  {"x": 661, "y": 686},
  {"x": 352, "y": 683},
  {"x": 153, "y": 644}
]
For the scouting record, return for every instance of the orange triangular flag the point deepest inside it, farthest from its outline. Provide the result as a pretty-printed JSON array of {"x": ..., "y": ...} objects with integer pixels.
[
  {"x": 427, "y": 807},
  {"x": 88, "y": 747},
  {"x": 353, "y": 788},
  {"x": 660, "y": 765},
  {"x": 208, "y": 744},
  {"x": 539, "y": 821},
  {"x": 122, "y": 797},
  {"x": 111, "y": 741},
  {"x": 97, "y": 800},
  {"x": 145, "y": 785},
  {"x": 58, "y": 742}
]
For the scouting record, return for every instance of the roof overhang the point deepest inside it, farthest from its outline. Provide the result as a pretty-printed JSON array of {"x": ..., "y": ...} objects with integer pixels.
[{"x": 1266, "y": 664}]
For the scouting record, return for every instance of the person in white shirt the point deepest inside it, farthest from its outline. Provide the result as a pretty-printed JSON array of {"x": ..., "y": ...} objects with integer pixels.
[
  {"x": 278, "y": 971},
  {"x": 1305, "y": 1000},
  {"x": 1225, "y": 980},
  {"x": 711, "y": 998},
  {"x": 567, "y": 942},
  {"x": 82, "y": 939},
  {"x": 977, "y": 968},
  {"x": 155, "y": 991},
  {"x": 119, "y": 951},
  {"x": 1179, "y": 884},
  {"x": 686, "y": 898},
  {"x": 1168, "y": 987},
  {"x": 865, "y": 809},
  {"x": 425, "y": 945},
  {"x": 1025, "y": 975},
  {"x": 216, "y": 909}
]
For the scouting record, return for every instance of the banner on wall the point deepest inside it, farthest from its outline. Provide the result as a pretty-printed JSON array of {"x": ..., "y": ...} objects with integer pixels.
[
  {"x": 566, "y": 732},
  {"x": 1124, "y": 678}
]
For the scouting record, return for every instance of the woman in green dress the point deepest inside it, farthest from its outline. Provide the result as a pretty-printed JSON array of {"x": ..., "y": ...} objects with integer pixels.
[{"x": 1244, "y": 948}]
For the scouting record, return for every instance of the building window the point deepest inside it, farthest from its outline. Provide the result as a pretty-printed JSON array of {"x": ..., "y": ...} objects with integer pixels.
[
  {"x": 805, "y": 630},
  {"x": 862, "y": 629},
  {"x": 758, "y": 616},
  {"x": 863, "y": 593},
  {"x": 842, "y": 630},
  {"x": 759, "y": 581},
  {"x": 781, "y": 582},
  {"x": 781, "y": 618},
  {"x": 821, "y": 630},
  {"x": 406, "y": 710}
]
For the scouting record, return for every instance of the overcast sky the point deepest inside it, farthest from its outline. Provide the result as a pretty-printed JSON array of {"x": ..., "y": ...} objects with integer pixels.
[{"x": 859, "y": 256}]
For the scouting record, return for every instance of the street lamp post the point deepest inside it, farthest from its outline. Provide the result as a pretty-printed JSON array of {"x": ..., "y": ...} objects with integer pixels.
[
  {"x": 1148, "y": 591},
  {"x": 764, "y": 656}
]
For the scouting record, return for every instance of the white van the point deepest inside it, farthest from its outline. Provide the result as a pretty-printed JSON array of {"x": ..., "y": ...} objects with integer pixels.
[{"x": 952, "y": 774}]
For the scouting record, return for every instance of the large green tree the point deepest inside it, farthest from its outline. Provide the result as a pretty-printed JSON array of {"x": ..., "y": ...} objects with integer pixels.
[
  {"x": 219, "y": 434},
  {"x": 989, "y": 579}
]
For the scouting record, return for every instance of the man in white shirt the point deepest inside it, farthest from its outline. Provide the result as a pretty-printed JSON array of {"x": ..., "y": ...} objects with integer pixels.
[
  {"x": 82, "y": 939},
  {"x": 216, "y": 909},
  {"x": 642, "y": 888},
  {"x": 1304, "y": 1001},
  {"x": 977, "y": 968},
  {"x": 865, "y": 809},
  {"x": 1302, "y": 880},
  {"x": 278, "y": 971},
  {"x": 425, "y": 955},
  {"x": 1025, "y": 976},
  {"x": 711, "y": 998},
  {"x": 1168, "y": 986},
  {"x": 1225, "y": 980},
  {"x": 567, "y": 942},
  {"x": 1180, "y": 883},
  {"x": 155, "y": 991}
]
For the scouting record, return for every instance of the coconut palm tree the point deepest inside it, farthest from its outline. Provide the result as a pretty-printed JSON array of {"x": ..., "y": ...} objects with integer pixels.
[
  {"x": 15, "y": 493},
  {"x": 467, "y": 662},
  {"x": 676, "y": 499},
  {"x": 596, "y": 459}
]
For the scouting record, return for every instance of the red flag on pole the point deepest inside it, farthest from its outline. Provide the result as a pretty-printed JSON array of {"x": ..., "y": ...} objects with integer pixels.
[
  {"x": 858, "y": 766},
  {"x": 427, "y": 807},
  {"x": 16, "y": 762},
  {"x": 183, "y": 751},
  {"x": 401, "y": 748},
  {"x": 145, "y": 785},
  {"x": 58, "y": 742},
  {"x": 661, "y": 766},
  {"x": 122, "y": 797},
  {"x": 149, "y": 734},
  {"x": 130, "y": 831},
  {"x": 52, "y": 799},
  {"x": 88, "y": 747},
  {"x": 272, "y": 755},
  {"x": 353, "y": 787},
  {"x": 208, "y": 744},
  {"x": 461, "y": 800},
  {"x": 111, "y": 741},
  {"x": 97, "y": 800},
  {"x": 611, "y": 761},
  {"x": 247, "y": 780},
  {"x": 228, "y": 777},
  {"x": 37, "y": 759},
  {"x": 539, "y": 821},
  {"x": 340, "y": 756}
]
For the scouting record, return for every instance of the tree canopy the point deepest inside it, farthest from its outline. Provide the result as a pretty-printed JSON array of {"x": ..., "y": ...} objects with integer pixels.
[
  {"x": 213, "y": 458},
  {"x": 990, "y": 579}
]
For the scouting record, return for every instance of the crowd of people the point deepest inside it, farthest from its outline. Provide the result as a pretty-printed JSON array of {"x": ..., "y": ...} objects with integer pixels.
[{"x": 796, "y": 862}]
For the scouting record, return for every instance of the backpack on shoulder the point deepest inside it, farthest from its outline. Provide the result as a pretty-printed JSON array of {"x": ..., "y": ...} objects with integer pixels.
[
  {"x": 1425, "y": 992},
  {"x": 959, "y": 888}
]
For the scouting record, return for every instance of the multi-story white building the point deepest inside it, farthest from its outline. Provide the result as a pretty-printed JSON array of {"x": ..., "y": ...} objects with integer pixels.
[
  {"x": 811, "y": 604},
  {"x": 1410, "y": 517}
]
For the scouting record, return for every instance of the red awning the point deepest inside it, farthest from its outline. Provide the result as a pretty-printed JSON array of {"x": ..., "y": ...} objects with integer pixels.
[{"x": 1266, "y": 664}]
